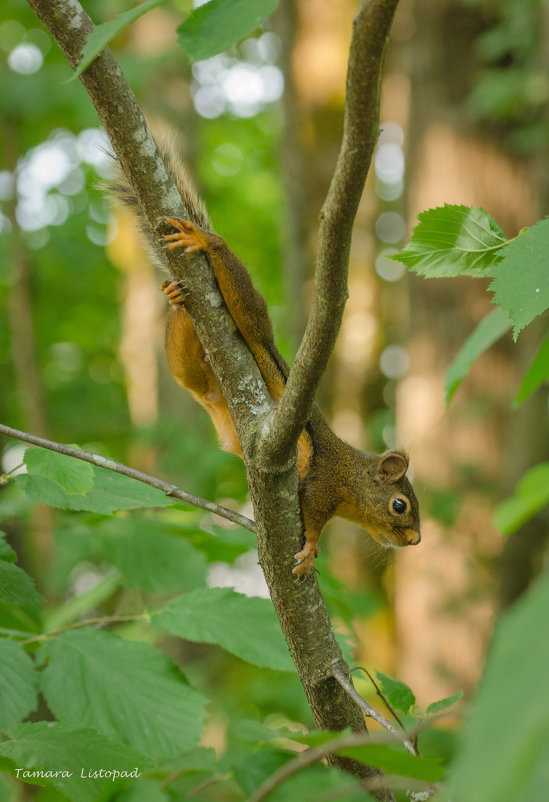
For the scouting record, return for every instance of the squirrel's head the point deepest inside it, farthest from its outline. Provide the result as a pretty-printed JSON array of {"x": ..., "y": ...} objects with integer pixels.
[{"x": 394, "y": 519}]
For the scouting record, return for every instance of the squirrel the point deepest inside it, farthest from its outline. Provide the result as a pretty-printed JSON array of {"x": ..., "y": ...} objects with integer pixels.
[{"x": 334, "y": 477}]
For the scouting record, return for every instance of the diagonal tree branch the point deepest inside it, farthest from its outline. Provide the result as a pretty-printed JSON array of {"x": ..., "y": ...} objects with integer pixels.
[
  {"x": 102, "y": 462},
  {"x": 141, "y": 162},
  {"x": 360, "y": 134}
]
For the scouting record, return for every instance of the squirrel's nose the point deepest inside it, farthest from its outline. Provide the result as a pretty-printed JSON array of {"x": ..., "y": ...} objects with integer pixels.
[{"x": 413, "y": 537}]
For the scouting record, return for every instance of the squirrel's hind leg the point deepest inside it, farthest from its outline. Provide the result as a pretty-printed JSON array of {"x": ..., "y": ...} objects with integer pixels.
[{"x": 190, "y": 367}]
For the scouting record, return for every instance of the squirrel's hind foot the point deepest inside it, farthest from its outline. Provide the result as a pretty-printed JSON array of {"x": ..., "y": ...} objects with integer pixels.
[
  {"x": 173, "y": 293},
  {"x": 188, "y": 236},
  {"x": 306, "y": 559}
]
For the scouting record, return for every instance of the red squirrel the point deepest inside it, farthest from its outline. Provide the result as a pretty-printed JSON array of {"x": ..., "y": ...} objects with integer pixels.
[{"x": 334, "y": 478}]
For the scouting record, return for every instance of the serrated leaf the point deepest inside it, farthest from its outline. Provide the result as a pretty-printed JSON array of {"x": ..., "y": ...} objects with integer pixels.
[
  {"x": 16, "y": 587},
  {"x": 488, "y": 331},
  {"x": 101, "y": 35},
  {"x": 41, "y": 490},
  {"x": 7, "y": 554},
  {"x": 444, "y": 704},
  {"x": 496, "y": 762},
  {"x": 531, "y": 495},
  {"x": 537, "y": 373},
  {"x": 244, "y": 626},
  {"x": 73, "y": 475},
  {"x": 49, "y": 747},
  {"x": 126, "y": 690},
  {"x": 151, "y": 558},
  {"x": 398, "y": 694},
  {"x": 18, "y": 684},
  {"x": 453, "y": 240},
  {"x": 111, "y": 492},
  {"x": 520, "y": 285},
  {"x": 215, "y": 26}
]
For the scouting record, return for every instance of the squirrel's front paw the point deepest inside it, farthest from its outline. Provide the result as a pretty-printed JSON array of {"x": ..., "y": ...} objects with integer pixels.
[{"x": 173, "y": 293}]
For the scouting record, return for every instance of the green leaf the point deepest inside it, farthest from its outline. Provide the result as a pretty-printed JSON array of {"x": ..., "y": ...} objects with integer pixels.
[
  {"x": 520, "y": 285},
  {"x": 7, "y": 554},
  {"x": 218, "y": 24},
  {"x": 537, "y": 373},
  {"x": 397, "y": 693},
  {"x": 497, "y": 762},
  {"x": 18, "y": 691},
  {"x": 394, "y": 761},
  {"x": 192, "y": 762},
  {"x": 125, "y": 690},
  {"x": 146, "y": 790},
  {"x": 489, "y": 330},
  {"x": 111, "y": 492},
  {"x": 41, "y": 490},
  {"x": 531, "y": 495},
  {"x": 50, "y": 748},
  {"x": 224, "y": 545},
  {"x": 101, "y": 35},
  {"x": 151, "y": 558},
  {"x": 16, "y": 587},
  {"x": 73, "y": 475},
  {"x": 444, "y": 704},
  {"x": 244, "y": 626},
  {"x": 453, "y": 241}
]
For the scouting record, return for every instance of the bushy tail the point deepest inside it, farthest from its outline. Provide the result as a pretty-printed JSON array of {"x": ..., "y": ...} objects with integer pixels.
[{"x": 122, "y": 192}]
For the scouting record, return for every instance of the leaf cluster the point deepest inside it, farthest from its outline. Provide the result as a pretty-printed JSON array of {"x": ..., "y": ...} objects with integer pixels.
[
  {"x": 117, "y": 701},
  {"x": 464, "y": 241}
]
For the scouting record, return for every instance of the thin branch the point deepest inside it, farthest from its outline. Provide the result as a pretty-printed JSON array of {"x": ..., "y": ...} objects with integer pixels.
[
  {"x": 315, "y": 755},
  {"x": 102, "y": 462},
  {"x": 379, "y": 693},
  {"x": 360, "y": 133},
  {"x": 348, "y": 686},
  {"x": 88, "y": 622}
]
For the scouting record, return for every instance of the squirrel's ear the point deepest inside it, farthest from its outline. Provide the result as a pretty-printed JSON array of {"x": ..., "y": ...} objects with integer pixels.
[{"x": 392, "y": 467}]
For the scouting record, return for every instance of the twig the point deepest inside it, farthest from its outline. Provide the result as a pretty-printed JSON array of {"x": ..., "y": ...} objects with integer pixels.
[
  {"x": 381, "y": 696},
  {"x": 347, "y": 684},
  {"x": 360, "y": 133},
  {"x": 102, "y": 462},
  {"x": 88, "y": 622},
  {"x": 315, "y": 754}
]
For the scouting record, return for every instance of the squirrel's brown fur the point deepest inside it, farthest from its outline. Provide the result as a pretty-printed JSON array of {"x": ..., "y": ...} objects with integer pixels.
[{"x": 335, "y": 478}]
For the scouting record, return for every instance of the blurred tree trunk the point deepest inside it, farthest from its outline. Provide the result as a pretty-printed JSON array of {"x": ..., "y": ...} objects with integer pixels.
[{"x": 466, "y": 457}]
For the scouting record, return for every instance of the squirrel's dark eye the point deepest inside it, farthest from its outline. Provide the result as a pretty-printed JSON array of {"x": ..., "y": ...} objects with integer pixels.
[{"x": 399, "y": 506}]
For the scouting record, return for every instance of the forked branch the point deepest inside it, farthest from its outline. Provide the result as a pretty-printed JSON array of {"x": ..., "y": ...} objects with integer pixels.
[{"x": 360, "y": 133}]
